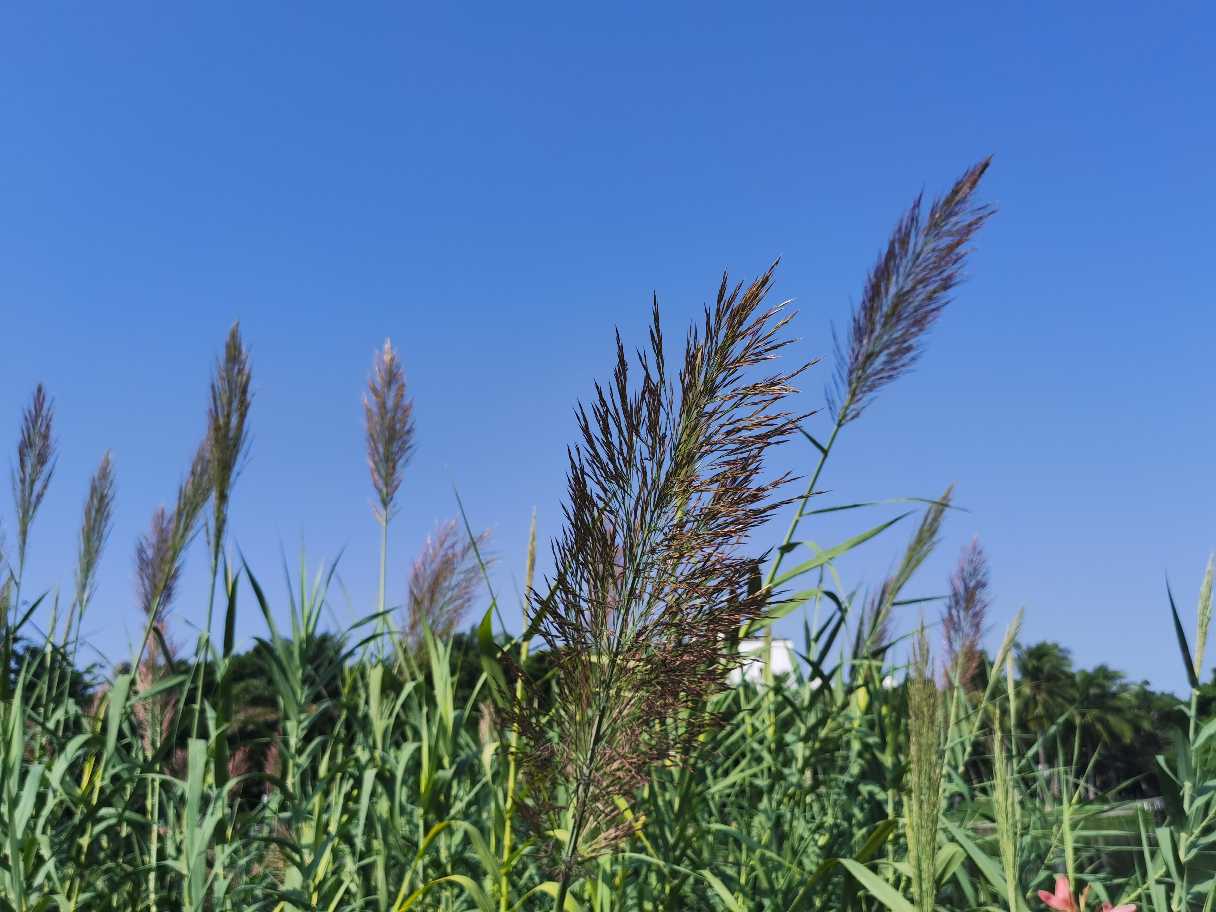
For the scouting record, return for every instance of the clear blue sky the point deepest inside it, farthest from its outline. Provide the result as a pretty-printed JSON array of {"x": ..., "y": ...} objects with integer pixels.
[{"x": 496, "y": 187}]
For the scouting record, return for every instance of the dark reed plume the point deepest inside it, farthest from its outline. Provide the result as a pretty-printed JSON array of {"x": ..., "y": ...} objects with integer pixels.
[
  {"x": 965, "y": 615},
  {"x": 444, "y": 581},
  {"x": 159, "y": 552},
  {"x": 877, "y": 616},
  {"x": 389, "y": 416},
  {"x": 94, "y": 529},
  {"x": 36, "y": 457},
  {"x": 156, "y": 570},
  {"x": 192, "y": 496},
  {"x": 158, "y": 564},
  {"x": 649, "y": 589},
  {"x": 227, "y": 431},
  {"x": 905, "y": 293}
]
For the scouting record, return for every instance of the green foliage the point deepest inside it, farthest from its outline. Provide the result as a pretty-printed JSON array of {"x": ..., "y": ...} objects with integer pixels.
[{"x": 370, "y": 768}]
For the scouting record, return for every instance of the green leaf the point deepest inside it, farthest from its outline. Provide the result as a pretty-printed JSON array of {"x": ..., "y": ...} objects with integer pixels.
[
  {"x": 550, "y": 888},
  {"x": 728, "y": 898},
  {"x": 1182, "y": 644},
  {"x": 877, "y": 887},
  {"x": 829, "y": 555},
  {"x": 488, "y": 654}
]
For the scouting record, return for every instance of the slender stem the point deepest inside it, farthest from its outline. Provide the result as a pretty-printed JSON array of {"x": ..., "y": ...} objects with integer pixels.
[
  {"x": 513, "y": 749},
  {"x": 204, "y": 643},
  {"x": 780, "y": 556},
  {"x": 383, "y": 559},
  {"x": 512, "y": 772},
  {"x": 10, "y": 630},
  {"x": 154, "y": 805},
  {"x": 802, "y": 502}
]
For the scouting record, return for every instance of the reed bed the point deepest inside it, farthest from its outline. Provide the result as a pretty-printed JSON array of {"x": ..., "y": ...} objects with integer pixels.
[{"x": 603, "y": 758}]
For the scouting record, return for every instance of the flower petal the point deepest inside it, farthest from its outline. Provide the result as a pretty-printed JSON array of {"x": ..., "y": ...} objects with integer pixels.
[{"x": 1061, "y": 900}]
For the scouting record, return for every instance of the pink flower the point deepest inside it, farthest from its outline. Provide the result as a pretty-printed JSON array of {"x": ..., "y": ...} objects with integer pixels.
[{"x": 1062, "y": 900}]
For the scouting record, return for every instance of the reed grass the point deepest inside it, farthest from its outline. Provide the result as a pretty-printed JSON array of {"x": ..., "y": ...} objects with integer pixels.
[{"x": 600, "y": 760}]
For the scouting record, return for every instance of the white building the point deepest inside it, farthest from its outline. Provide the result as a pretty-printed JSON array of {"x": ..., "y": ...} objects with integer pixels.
[{"x": 752, "y": 668}]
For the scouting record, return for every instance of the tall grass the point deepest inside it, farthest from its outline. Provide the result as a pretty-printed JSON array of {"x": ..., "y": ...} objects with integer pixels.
[{"x": 599, "y": 760}]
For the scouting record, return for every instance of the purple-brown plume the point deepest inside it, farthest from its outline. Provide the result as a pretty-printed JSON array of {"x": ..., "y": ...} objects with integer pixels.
[
  {"x": 904, "y": 295},
  {"x": 644, "y": 608},
  {"x": 389, "y": 416},
  {"x": 94, "y": 529},
  {"x": 443, "y": 582},
  {"x": 965, "y": 615},
  {"x": 36, "y": 456},
  {"x": 227, "y": 431}
]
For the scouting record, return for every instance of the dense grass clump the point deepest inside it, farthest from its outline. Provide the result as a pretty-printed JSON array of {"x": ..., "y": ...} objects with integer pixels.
[{"x": 607, "y": 757}]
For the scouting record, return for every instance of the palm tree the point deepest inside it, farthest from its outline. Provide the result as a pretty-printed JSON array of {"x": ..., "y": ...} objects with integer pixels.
[
  {"x": 1102, "y": 717},
  {"x": 1046, "y": 693}
]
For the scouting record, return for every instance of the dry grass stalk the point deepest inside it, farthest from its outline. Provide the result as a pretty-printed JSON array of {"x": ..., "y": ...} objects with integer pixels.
[
  {"x": 964, "y": 618},
  {"x": 444, "y": 582},
  {"x": 905, "y": 293},
  {"x": 389, "y": 416},
  {"x": 650, "y": 590}
]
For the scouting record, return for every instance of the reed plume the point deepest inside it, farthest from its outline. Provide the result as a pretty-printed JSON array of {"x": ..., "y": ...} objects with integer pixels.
[
  {"x": 192, "y": 496},
  {"x": 227, "y": 431},
  {"x": 443, "y": 582},
  {"x": 389, "y": 417},
  {"x": 877, "y": 616},
  {"x": 156, "y": 571},
  {"x": 389, "y": 422},
  {"x": 159, "y": 552},
  {"x": 965, "y": 615},
  {"x": 650, "y": 588},
  {"x": 94, "y": 529},
  {"x": 904, "y": 295},
  {"x": 36, "y": 457}
]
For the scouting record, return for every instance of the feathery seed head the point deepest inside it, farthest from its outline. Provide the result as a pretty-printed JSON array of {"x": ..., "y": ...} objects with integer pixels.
[
  {"x": 159, "y": 553},
  {"x": 650, "y": 588},
  {"x": 389, "y": 417},
  {"x": 227, "y": 432},
  {"x": 36, "y": 457},
  {"x": 904, "y": 295},
  {"x": 444, "y": 582},
  {"x": 156, "y": 571},
  {"x": 192, "y": 496},
  {"x": 879, "y": 609},
  {"x": 965, "y": 615},
  {"x": 94, "y": 529}
]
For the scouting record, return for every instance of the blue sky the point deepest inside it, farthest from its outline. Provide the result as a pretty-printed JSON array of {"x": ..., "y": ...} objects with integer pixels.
[{"x": 497, "y": 187}]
